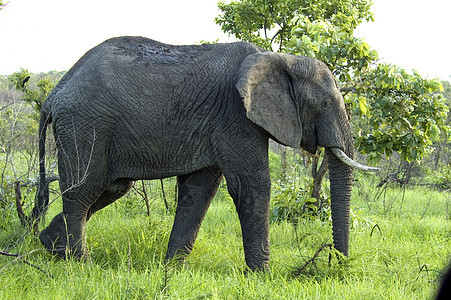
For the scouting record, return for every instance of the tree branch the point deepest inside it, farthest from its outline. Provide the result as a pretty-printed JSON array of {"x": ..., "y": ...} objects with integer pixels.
[
  {"x": 26, "y": 221},
  {"x": 36, "y": 183},
  {"x": 164, "y": 195},
  {"x": 22, "y": 217},
  {"x": 353, "y": 89},
  {"x": 143, "y": 194},
  {"x": 19, "y": 257},
  {"x": 311, "y": 260}
]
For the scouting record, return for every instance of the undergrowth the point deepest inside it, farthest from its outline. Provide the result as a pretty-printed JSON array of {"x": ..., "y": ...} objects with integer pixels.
[{"x": 400, "y": 245}]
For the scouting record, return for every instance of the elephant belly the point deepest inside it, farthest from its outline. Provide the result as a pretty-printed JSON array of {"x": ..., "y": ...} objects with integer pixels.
[{"x": 147, "y": 160}]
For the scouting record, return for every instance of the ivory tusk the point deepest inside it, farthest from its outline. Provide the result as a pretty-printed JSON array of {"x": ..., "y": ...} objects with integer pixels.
[{"x": 353, "y": 164}]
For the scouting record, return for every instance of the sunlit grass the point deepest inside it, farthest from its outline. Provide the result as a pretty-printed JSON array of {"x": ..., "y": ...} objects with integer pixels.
[{"x": 395, "y": 253}]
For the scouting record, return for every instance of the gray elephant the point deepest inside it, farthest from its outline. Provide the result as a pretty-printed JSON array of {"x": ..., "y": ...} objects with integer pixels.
[{"x": 132, "y": 108}]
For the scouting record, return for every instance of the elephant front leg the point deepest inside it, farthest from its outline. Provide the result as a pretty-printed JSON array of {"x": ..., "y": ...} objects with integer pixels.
[
  {"x": 252, "y": 199},
  {"x": 196, "y": 190}
]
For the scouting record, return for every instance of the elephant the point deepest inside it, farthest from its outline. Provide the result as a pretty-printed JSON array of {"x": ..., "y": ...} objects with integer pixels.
[
  {"x": 444, "y": 291},
  {"x": 136, "y": 109}
]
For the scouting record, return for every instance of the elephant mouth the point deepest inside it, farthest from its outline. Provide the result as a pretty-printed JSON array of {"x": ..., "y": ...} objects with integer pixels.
[
  {"x": 309, "y": 141},
  {"x": 350, "y": 162},
  {"x": 310, "y": 147}
]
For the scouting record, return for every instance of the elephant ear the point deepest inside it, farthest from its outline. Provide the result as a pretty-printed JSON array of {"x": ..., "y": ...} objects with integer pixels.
[{"x": 265, "y": 84}]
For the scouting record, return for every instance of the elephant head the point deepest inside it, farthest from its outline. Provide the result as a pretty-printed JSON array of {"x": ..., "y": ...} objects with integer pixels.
[{"x": 297, "y": 101}]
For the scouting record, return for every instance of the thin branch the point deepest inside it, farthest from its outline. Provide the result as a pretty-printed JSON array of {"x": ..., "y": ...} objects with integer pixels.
[
  {"x": 9, "y": 254},
  {"x": 5, "y": 106},
  {"x": 4, "y": 5},
  {"x": 311, "y": 260},
  {"x": 36, "y": 183},
  {"x": 22, "y": 217},
  {"x": 143, "y": 194},
  {"x": 346, "y": 90},
  {"x": 321, "y": 171},
  {"x": 164, "y": 196},
  {"x": 275, "y": 18},
  {"x": 374, "y": 227},
  {"x": 20, "y": 257}
]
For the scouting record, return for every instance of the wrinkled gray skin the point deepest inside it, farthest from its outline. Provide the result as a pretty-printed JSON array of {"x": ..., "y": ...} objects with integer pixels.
[{"x": 132, "y": 108}]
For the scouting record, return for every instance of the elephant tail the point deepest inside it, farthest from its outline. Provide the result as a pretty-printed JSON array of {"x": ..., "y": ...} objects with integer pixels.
[{"x": 42, "y": 196}]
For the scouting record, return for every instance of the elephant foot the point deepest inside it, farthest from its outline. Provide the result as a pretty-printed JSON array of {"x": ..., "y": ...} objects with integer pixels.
[
  {"x": 248, "y": 270},
  {"x": 58, "y": 242},
  {"x": 177, "y": 257},
  {"x": 257, "y": 262},
  {"x": 252, "y": 267}
]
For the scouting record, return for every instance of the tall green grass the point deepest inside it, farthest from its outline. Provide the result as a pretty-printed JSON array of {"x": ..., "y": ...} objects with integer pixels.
[{"x": 400, "y": 245}]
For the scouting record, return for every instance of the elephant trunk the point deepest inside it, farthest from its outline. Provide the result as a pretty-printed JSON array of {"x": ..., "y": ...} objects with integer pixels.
[{"x": 340, "y": 189}]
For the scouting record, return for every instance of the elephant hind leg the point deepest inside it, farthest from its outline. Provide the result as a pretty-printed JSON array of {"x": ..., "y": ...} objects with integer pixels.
[
  {"x": 54, "y": 235},
  {"x": 196, "y": 190},
  {"x": 116, "y": 190},
  {"x": 65, "y": 234}
]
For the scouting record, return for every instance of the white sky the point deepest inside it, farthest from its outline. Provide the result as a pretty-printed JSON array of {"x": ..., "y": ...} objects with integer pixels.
[
  {"x": 53, "y": 34},
  {"x": 413, "y": 34}
]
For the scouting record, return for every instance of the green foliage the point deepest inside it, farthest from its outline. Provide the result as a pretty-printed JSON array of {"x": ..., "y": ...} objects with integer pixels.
[
  {"x": 34, "y": 96},
  {"x": 400, "y": 258},
  {"x": 269, "y": 23},
  {"x": 21, "y": 96},
  {"x": 332, "y": 42},
  {"x": 254, "y": 21},
  {"x": 392, "y": 110},
  {"x": 399, "y": 112},
  {"x": 292, "y": 201},
  {"x": 442, "y": 179},
  {"x": 17, "y": 126},
  {"x": 292, "y": 189},
  {"x": 19, "y": 79}
]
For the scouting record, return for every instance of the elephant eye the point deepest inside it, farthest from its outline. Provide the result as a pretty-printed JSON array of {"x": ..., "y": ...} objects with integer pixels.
[{"x": 326, "y": 104}]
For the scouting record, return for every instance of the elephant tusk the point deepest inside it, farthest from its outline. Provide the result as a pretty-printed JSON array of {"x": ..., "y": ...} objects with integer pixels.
[{"x": 353, "y": 164}]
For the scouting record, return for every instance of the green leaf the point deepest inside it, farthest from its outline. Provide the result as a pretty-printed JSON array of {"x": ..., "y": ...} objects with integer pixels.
[{"x": 363, "y": 106}]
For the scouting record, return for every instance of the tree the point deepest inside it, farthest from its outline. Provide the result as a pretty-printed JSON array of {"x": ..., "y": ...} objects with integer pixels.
[
  {"x": 269, "y": 23},
  {"x": 391, "y": 109},
  {"x": 18, "y": 125},
  {"x": 34, "y": 96},
  {"x": 401, "y": 112},
  {"x": 2, "y": 5}
]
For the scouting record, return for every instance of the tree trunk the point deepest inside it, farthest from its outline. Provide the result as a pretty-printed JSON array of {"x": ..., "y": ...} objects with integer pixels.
[{"x": 318, "y": 175}]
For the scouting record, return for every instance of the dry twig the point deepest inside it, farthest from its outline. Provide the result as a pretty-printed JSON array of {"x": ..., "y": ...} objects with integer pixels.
[
  {"x": 20, "y": 257},
  {"x": 312, "y": 260},
  {"x": 374, "y": 227},
  {"x": 27, "y": 221},
  {"x": 22, "y": 217}
]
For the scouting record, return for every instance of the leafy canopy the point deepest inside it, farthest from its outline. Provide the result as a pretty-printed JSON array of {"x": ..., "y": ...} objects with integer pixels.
[
  {"x": 269, "y": 23},
  {"x": 399, "y": 112},
  {"x": 2, "y": 5},
  {"x": 35, "y": 96},
  {"x": 392, "y": 109}
]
